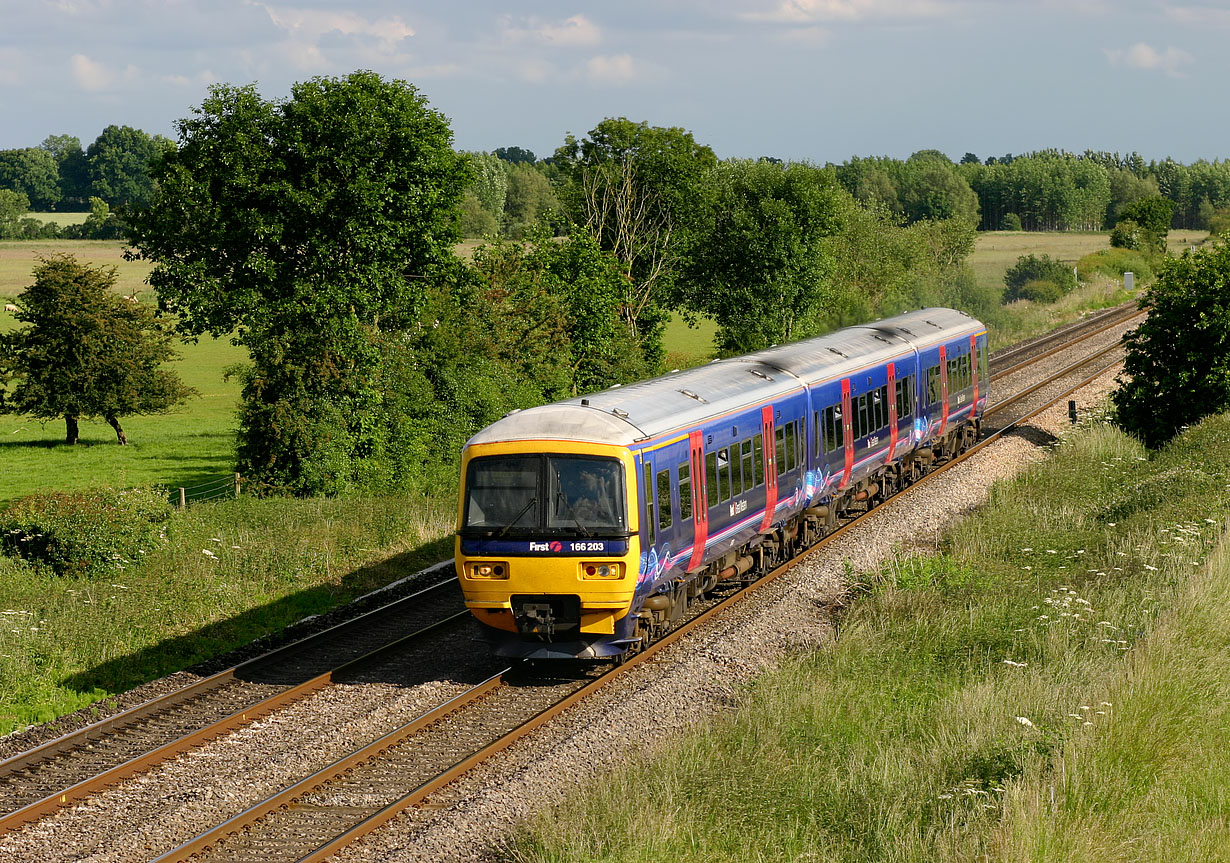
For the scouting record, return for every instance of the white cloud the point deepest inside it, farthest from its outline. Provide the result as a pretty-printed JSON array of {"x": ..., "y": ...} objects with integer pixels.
[
  {"x": 201, "y": 79},
  {"x": 613, "y": 69},
  {"x": 1144, "y": 56},
  {"x": 95, "y": 77},
  {"x": 535, "y": 71},
  {"x": 373, "y": 38},
  {"x": 1201, "y": 16},
  {"x": 812, "y": 11},
  {"x": 577, "y": 31}
]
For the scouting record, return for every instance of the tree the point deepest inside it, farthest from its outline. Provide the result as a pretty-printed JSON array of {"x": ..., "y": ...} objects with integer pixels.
[
  {"x": 74, "y": 169},
  {"x": 120, "y": 160},
  {"x": 87, "y": 352},
  {"x": 311, "y": 230},
  {"x": 1153, "y": 215},
  {"x": 761, "y": 270},
  {"x": 638, "y": 189},
  {"x": 530, "y": 197},
  {"x": 1177, "y": 366},
  {"x": 13, "y": 207},
  {"x": 34, "y": 173},
  {"x": 516, "y": 155}
]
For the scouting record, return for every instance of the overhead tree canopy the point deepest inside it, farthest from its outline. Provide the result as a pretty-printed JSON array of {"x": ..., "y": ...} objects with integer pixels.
[
  {"x": 87, "y": 352},
  {"x": 306, "y": 228}
]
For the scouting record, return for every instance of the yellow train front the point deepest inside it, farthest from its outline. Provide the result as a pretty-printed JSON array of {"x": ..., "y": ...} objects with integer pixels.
[{"x": 547, "y": 546}]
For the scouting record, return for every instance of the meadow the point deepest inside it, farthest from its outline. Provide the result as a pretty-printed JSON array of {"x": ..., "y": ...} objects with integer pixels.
[{"x": 1051, "y": 684}]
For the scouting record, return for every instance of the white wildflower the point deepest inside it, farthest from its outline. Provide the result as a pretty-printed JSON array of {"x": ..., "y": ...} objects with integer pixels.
[
  {"x": 1024, "y": 720},
  {"x": 1015, "y": 664}
]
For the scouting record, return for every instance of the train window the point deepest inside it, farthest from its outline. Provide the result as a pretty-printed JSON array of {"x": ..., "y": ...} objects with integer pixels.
[
  {"x": 834, "y": 428},
  {"x": 860, "y": 417},
  {"x": 711, "y": 478},
  {"x": 905, "y": 397},
  {"x": 781, "y": 450},
  {"x": 685, "y": 492},
  {"x": 758, "y": 455},
  {"x": 724, "y": 473},
  {"x": 879, "y": 410},
  {"x": 982, "y": 362},
  {"x": 967, "y": 362},
  {"x": 933, "y": 385},
  {"x": 651, "y": 522},
  {"x": 818, "y": 445},
  {"x": 736, "y": 471},
  {"x": 664, "y": 499},
  {"x": 790, "y": 446},
  {"x": 749, "y": 471}
]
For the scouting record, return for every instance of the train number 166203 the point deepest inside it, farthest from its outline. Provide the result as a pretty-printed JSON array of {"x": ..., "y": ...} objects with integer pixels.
[{"x": 587, "y": 546}]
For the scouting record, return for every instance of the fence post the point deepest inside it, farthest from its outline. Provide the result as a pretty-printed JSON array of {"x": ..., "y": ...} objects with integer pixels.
[
  {"x": 183, "y": 498},
  {"x": 237, "y": 484}
]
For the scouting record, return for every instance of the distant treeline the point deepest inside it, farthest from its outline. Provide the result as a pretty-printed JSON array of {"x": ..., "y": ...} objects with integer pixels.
[{"x": 513, "y": 189}]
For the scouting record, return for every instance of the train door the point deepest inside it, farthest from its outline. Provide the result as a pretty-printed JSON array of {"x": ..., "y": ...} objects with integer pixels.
[
  {"x": 973, "y": 364},
  {"x": 891, "y": 391},
  {"x": 847, "y": 426},
  {"x": 770, "y": 467},
  {"x": 943, "y": 388},
  {"x": 695, "y": 493}
]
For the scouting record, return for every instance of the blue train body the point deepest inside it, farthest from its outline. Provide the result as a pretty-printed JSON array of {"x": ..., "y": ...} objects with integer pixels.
[{"x": 701, "y": 475}]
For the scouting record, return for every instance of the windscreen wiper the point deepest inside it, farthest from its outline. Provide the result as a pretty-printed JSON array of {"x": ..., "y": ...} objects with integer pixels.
[{"x": 517, "y": 517}]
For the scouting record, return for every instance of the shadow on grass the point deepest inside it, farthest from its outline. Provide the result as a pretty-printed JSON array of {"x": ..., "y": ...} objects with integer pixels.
[
  {"x": 219, "y": 645},
  {"x": 53, "y": 443}
]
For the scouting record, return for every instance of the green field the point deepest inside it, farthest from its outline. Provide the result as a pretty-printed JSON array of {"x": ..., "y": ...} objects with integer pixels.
[
  {"x": 18, "y": 258},
  {"x": 60, "y": 219}
]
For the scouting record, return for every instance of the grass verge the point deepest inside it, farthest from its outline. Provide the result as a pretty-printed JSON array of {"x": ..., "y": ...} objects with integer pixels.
[
  {"x": 1051, "y": 685},
  {"x": 225, "y": 574}
]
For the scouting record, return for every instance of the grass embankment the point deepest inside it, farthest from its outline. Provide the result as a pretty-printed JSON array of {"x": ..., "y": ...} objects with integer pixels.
[
  {"x": 226, "y": 574},
  {"x": 1051, "y": 685}
]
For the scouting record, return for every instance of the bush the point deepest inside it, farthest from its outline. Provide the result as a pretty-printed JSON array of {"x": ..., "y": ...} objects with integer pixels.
[
  {"x": 1040, "y": 291},
  {"x": 1033, "y": 268},
  {"x": 1113, "y": 263},
  {"x": 86, "y": 532},
  {"x": 1132, "y": 235},
  {"x": 1011, "y": 222},
  {"x": 1219, "y": 222}
]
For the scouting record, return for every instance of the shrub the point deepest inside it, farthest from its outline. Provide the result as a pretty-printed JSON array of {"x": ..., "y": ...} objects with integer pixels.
[
  {"x": 1113, "y": 263},
  {"x": 1034, "y": 268},
  {"x": 84, "y": 532},
  {"x": 1219, "y": 222},
  {"x": 1132, "y": 235},
  {"x": 1011, "y": 222},
  {"x": 1040, "y": 291}
]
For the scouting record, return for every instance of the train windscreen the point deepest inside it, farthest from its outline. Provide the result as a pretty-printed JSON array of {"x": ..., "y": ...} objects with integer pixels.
[{"x": 555, "y": 495}]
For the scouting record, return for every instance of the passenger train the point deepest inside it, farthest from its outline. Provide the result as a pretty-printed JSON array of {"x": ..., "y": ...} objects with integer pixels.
[{"x": 586, "y": 527}]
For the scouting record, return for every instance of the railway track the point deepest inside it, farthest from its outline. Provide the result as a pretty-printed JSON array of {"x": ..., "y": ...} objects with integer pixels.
[
  {"x": 77, "y": 765},
  {"x": 321, "y": 814}
]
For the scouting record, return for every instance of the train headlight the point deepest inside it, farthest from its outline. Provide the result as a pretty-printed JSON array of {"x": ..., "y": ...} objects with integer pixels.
[
  {"x": 487, "y": 569},
  {"x": 602, "y": 570}
]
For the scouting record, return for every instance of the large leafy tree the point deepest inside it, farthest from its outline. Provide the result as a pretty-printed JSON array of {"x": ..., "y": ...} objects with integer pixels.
[
  {"x": 1177, "y": 368},
  {"x": 34, "y": 173},
  {"x": 638, "y": 189},
  {"x": 87, "y": 352},
  {"x": 760, "y": 269},
  {"x": 310, "y": 230},
  {"x": 119, "y": 163}
]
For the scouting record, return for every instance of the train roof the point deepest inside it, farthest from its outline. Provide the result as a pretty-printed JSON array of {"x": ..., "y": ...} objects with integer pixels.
[{"x": 624, "y": 415}]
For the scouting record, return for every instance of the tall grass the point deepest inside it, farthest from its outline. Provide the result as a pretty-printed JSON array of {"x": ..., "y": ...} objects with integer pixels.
[
  {"x": 1049, "y": 686},
  {"x": 225, "y": 574}
]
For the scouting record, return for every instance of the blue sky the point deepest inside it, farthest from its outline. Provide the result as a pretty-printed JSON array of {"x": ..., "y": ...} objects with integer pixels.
[{"x": 817, "y": 80}]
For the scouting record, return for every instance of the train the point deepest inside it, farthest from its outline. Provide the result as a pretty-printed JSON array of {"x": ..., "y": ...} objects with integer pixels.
[{"x": 587, "y": 527}]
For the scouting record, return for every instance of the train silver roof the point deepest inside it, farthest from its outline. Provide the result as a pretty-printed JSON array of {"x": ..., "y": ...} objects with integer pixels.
[{"x": 627, "y": 414}]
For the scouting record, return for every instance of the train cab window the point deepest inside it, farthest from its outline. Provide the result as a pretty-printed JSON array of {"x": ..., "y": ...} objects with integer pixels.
[
  {"x": 723, "y": 458},
  {"x": 749, "y": 469},
  {"x": 758, "y": 455},
  {"x": 651, "y": 522},
  {"x": 781, "y": 450},
  {"x": 664, "y": 499},
  {"x": 685, "y": 492},
  {"x": 933, "y": 385},
  {"x": 711, "y": 478}
]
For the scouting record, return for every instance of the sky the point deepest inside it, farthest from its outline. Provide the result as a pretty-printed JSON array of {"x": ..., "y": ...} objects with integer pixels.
[{"x": 806, "y": 80}]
